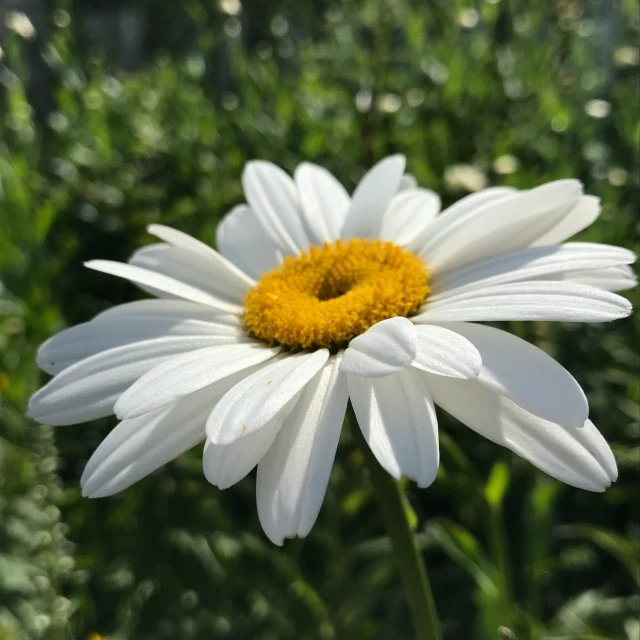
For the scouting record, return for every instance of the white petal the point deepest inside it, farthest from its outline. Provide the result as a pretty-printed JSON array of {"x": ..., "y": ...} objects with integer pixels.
[
  {"x": 293, "y": 475},
  {"x": 580, "y": 217},
  {"x": 372, "y": 197},
  {"x": 192, "y": 269},
  {"x": 182, "y": 375},
  {"x": 409, "y": 213},
  {"x": 324, "y": 202},
  {"x": 162, "y": 283},
  {"x": 226, "y": 464},
  {"x": 386, "y": 347},
  {"x": 242, "y": 240},
  {"x": 83, "y": 405},
  {"x": 474, "y": 201},
  {"x": 408, "y": 181},
  {"x": 272, "y": 194},
  {"x": 166, "y": 309},
  {"x": 499, "y": 226},
  {"x": 137, "y": 447},
  {"x": 398, "y": 420},
  {"x": 107, "y": 332},
  {"x": 611, "y": 279},
  {"x": 90, "y": 388},
  {"x": 527, "y": 375},
  {"x": 224, "y": 268},
  {"x": 594, "y": 442},
  {"x": 533, "y": 263},
  {"x": 567, "y": 453},
  {"x": 459, "y": 211},
  {"x": 260, "y": 398},
  {"x": 531, "y": 300},
  {"x": 445, "y": 353}
]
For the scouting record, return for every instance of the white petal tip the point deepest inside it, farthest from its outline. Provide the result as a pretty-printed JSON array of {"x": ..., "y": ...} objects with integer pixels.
[
  {"x": 472, "y": 368},
  {"x": 609, "y": 466},
  {"x": 398, "y": 157},
  {"x": 597, "y": 484},
  {"x": 398, "y": 161},
  {"x": 624, "y": 306},
  {"x": 577, "y": 416},
  {"x": 95, "y": 494},
  {"x": 217, "y": 483},
  {"x": 427, "y": 482},
  {"x": 122, "y": 412},
  {"x": 277, "y": 540},
  {"x": 590, "y": 484},
  {"x": 303, "y": 166},
  {"x": 89, "y": 491},
  {"x": 254, "y": 164},
  {"x": 395, "y": 474}
]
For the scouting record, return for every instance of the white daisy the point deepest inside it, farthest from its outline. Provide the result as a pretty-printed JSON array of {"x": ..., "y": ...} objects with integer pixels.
[{"x": 316, "y": 298}]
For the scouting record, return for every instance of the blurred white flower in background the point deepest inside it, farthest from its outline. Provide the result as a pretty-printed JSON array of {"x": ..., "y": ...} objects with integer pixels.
[
  {"x": 389, "y": 103},
  {"x": 61, "y": 18},
  {"x": 233, "y": 27},
  {"x": 468, "y": 18},
  {"x": 617, "y": 176},
  {"x": 597, "y": 108},
  {"x": 230, "y": 7},
  {"x": 363, "y": 100},
  {"x": 504, "y": 165},
  {"x": 627, "y": 56},
  {"x": 415, "y": 97},
  {"x": 19, "y": 23},
  {"x": 464, "y": 177}
]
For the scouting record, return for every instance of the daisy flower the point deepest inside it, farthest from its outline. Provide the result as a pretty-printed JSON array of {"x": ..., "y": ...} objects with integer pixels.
[{"x": 316, "y": 298}]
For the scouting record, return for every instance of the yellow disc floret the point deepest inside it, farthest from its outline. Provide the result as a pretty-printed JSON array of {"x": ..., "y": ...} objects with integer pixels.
[{"x": 330, "y": 294}]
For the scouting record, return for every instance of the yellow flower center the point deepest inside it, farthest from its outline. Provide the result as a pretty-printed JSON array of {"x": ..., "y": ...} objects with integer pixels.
[{"x": 330, "y": 294}]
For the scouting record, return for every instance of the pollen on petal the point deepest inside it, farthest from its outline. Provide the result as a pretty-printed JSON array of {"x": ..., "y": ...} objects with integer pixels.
[{"x": 330, "y": 294}]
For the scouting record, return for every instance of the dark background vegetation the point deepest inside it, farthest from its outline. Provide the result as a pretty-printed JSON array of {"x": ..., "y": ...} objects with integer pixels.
[{"x": 114, "y": 115}]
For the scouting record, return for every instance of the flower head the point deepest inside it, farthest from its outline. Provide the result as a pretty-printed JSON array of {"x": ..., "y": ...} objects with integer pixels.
[{"x": 316, "y": 298}]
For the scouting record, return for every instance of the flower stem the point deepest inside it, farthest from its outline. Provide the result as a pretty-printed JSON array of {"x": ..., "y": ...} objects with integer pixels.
[
  {"x": 500, "y": 550},
  {"x": 409, "y": 560}
]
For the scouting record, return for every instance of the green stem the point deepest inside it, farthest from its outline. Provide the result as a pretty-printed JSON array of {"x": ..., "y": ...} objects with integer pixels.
[
  {"x": 409, "y": 560},
  {"x": 500, "y": 552}
]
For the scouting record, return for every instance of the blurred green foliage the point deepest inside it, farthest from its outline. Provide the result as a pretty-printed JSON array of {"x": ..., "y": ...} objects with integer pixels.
[{"x": 89, "y": 155}]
